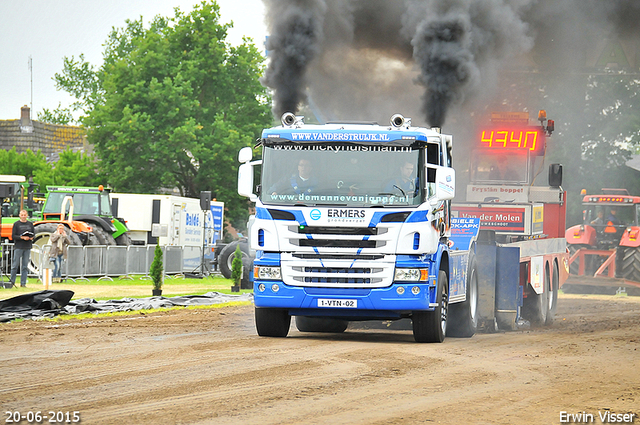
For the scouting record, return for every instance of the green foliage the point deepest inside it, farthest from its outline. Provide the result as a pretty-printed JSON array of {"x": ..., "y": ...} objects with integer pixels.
[
  {"x": 172, "y": 105},
  {"x": 28, "y": 164},
  {"x": 60, "y": 115},
  {"x": 236, "y": 266},
  {"x": 156, "y": 270},
  {"x": 72, "y": 168}
]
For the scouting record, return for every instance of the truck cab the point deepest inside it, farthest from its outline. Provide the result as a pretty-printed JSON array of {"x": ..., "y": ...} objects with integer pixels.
[{"x": 352, "y": 223}]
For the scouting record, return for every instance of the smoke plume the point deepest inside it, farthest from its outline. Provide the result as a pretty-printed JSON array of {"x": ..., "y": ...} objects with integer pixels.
[
  {"x": 363, "y": 59},
  {"x": 296, "y": 34}
]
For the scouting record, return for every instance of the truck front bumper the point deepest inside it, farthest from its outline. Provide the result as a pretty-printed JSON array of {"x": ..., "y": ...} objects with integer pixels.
[{"x": 395, "y": 301}]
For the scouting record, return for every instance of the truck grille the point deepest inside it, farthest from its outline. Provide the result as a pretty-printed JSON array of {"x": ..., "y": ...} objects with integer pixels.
[
  {"x": 331, "y": 243},
  {"x": 337, "y": 237},
  {"x": 337, "y": 271}
]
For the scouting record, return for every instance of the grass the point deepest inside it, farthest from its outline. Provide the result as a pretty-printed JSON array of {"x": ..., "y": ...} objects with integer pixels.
[{"x": 128, "y": 288}]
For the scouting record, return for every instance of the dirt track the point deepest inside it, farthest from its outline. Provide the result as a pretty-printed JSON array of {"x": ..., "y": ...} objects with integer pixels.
[{"x": 208, "y": 366}]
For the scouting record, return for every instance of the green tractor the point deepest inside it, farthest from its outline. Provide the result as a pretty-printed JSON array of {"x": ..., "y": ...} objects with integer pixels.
[{"x": 91, "y": 205}]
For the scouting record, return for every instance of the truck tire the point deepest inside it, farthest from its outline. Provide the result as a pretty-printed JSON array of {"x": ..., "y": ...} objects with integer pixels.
[
  {"x": 431, "y": 326},
  {"x": 535, "y": 306},
  {"x": 228, "y": 253},
  {"x": 42, "y": 236},
  {"x": 463, "y": 317},
  {"x": 103, "y": 237},
  {"x": 272, "y": 322},
  {"x": 552, "y": 300},
  {"x": 320, "y": 324}
]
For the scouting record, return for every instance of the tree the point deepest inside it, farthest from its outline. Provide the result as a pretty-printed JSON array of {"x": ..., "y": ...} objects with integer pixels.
[
  {"x": 60, "y": 115},
  {"x": 172, "y": 105},
  {"x": 73, "y": 168}
]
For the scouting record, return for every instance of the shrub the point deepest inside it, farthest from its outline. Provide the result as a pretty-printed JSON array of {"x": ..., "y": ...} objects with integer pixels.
[{"x": 157, "y": 269}]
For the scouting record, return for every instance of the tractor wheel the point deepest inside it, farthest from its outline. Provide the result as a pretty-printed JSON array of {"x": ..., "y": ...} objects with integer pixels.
[
  {"x": 103, "y": 237},
  {"x": 431, "y": 326},
  {"x": 575, "y": 266},
  {"x": 225, "y": 259},
  {"x": 318, "y": 324},
  {"x": 272, "y": 321},
  {"x": 631, "y": 264},
  {"x": 92, "y": 239},
  {"x": 463, "y": 317},
  {"x": 536, "y": 306},
  {"x": 42, "y": 236},
  {"x": 123, "y": 240}
]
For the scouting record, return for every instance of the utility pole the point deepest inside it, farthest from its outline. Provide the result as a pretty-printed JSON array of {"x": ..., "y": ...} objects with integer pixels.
[{"x": 31, "y": 71}]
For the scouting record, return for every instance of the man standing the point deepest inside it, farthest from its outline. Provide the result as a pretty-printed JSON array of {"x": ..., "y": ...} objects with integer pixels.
[{"x": 22, "y": 235}]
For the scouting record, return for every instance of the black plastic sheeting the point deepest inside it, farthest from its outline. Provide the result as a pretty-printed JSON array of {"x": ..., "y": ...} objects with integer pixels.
[{"x": 51, "y": 303}]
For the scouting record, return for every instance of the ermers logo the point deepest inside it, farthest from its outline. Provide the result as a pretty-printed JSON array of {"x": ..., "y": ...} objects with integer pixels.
[
  {"x": 346, "y": 213},
  {"x": 315, "y": 214}
]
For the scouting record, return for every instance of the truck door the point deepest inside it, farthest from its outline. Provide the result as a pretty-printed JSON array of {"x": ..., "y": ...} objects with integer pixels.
[{"x": 174, "y": 237}]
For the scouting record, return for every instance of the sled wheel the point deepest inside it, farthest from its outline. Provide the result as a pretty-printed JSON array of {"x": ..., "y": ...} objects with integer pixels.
[
  {"x": 463, "y": 317},
  {"x": 535, "y": 306},
  {"x": 552, "y": 300}
]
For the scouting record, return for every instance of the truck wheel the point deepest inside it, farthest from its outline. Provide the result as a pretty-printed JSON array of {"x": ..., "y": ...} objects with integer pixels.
[
  {"x": 227, "y": 254},
  {"x": 553, "y": 296},
  {"x": 272, "y": 321},
  {"x": 42, "y": 236},
  {"x": 319, "y": 324},
  {"x": 103, "y": 237},
  {"x": 463, "y": 317},
  {"x": 431, "y": 326},
  {"x": 631, "y": 264},
  {"x": 535, "y": 306}
]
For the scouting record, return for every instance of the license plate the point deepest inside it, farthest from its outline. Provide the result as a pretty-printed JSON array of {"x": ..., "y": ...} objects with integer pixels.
[{"x": 324, "y": 302}]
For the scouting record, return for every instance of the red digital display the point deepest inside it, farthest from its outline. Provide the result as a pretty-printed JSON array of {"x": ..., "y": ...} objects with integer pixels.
[{"x": 530, "y": 139}]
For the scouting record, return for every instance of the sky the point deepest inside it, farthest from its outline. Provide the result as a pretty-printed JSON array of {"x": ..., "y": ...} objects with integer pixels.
[{"x": 49, "y": 30}]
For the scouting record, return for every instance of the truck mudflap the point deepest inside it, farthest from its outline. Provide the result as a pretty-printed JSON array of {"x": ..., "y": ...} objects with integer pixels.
[{"x": 499, "y": 291}]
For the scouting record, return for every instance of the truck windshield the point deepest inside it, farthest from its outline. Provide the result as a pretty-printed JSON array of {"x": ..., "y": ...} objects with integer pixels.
[
  {"x": 83, "y": 203},
  {"x": 341, "y": 174}
]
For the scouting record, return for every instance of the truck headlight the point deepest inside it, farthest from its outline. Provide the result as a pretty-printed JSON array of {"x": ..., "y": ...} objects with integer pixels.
[
  {"x": 412, "y": 275},
  {"x": 266, "y": 273}
]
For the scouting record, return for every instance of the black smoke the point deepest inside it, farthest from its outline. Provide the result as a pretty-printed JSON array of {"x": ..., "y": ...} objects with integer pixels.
[
  {"x": 296, "y": 34},
  {"x": 363, "y": 59}
]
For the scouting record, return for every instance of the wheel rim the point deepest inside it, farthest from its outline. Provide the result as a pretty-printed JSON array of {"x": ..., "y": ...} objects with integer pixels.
[
  {"x": 549, "y": 290},
  {"x": 232, "y": 256},
  {"x": 37, "y": 254}
]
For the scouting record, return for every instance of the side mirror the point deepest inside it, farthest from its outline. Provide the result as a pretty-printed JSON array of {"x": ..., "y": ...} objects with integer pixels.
[
  {"x": 245, "y": 154},
  {"x": 245, "y": 181},
  {"x": 555, "y": 175}
]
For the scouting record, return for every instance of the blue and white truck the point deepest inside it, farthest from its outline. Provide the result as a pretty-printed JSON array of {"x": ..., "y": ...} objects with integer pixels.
[{"x": 354, "y": 222}]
